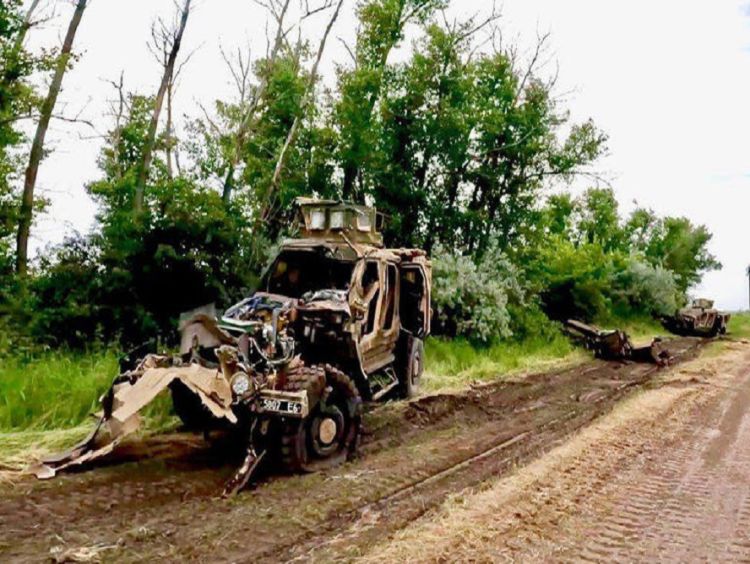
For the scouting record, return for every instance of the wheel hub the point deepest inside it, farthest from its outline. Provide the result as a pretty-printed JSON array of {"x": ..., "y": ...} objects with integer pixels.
[{"x": 327, "y": 431}]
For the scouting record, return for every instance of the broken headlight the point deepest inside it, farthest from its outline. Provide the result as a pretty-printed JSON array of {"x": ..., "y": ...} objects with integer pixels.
[{"x": 241, "y": 384}]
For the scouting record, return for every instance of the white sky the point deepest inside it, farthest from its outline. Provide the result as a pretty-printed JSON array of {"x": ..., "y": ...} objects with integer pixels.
[{"x": 668, "y": 80}]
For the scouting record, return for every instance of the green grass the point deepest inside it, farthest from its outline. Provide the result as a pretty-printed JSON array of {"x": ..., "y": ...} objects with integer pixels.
[
  {"x": 638, "y": 328},
  {"x": 739, "y": 325},
  {"x": 455, "y": 364},
  {"x": 59, "y": 390},
  {"x": 643, "y": 329}
]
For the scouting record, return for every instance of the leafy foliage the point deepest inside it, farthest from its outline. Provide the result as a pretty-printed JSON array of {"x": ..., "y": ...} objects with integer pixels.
[
  {"x": 17, "y": 99},
  {"x": 648, "y": 288},
  {"x": 458, "y": 144},
  {"x": 471, "y": 298},
  {"x": 589, "y": 263}
]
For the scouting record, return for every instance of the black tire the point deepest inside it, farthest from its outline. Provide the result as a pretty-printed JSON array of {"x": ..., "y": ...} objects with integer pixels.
[
  {"x": 191, "y": 411},
  {"x": 412, "y": 367},
  {"x": 329, "y": 435},
  {"x": 717, "y": 329}
]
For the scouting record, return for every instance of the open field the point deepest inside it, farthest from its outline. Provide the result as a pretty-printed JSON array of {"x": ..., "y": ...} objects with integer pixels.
[{"x": 142, "y": 502}]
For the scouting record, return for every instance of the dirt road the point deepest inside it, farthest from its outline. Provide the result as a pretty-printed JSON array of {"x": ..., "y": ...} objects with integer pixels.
[
  {"x": 665, "y": 477},
  {"x": 158, "y": 499}
]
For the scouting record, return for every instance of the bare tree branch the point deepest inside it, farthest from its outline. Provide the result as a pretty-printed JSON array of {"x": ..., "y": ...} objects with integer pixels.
[
  {"x": 309, "y": 12},
  {"x": 306, "y": 101},
  {"x": 167, "y": 78},
  {"x": 278, "y": 9},
  {"x": 538, "y": 50}
]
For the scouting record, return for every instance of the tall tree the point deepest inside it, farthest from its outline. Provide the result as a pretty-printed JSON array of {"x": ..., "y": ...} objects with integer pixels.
[
  {"x": 463, "y": 142},
  {"x": 291, "y": 137},
  {"x": 37, "y": 147},
  {"x": 382, "y": 28},
  {"x": 17, "y": 99},
  {"x": 161, "y": 48},
  {"x": 250, "y": 105},
  {"x": 166, "y": 80}
]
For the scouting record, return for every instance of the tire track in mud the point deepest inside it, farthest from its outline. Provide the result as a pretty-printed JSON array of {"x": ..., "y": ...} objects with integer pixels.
[
  {"x": 377, "y": 519},
  {"x": 691, "y": 502},
  {"x": 413, "y": 458}
]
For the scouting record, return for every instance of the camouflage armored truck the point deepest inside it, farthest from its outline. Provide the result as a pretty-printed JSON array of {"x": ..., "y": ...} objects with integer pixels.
[
  {"x": 339, "y": 320},
  {"x": 700, "y": 319}
]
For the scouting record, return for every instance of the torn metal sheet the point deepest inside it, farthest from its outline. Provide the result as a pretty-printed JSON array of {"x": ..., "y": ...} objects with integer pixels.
[
  {"x": 128, "y": 399},
  {"x": 208, "y": 384}
]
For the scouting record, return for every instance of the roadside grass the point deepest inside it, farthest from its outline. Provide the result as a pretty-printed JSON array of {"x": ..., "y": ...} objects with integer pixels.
[
  {"x": 739, "y": 325},
  {"x": 642, "y": 329},
  {"x": 18, "y": 449},
  {"x": 59, "y": 390},
  {"x": 738, "y": 329},
  {"x": 455, "y": 364},
  {"x": 46, "y": 401}
]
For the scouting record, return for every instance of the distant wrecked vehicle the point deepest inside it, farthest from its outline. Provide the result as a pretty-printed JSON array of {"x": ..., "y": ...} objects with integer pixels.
[
  {"x": 615, "y": 344},
  {"x": 700, "y": 319},
  {"x": 339, "y": 320}
]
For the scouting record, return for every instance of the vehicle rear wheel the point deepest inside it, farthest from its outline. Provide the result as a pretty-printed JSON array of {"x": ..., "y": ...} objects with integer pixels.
[
  {"x": 330, "y": 433},
  {"x": 412, "y": 367}
]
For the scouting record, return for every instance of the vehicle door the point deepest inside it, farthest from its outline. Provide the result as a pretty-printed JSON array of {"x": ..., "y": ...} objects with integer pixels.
[{"x": 375, "y": 302}]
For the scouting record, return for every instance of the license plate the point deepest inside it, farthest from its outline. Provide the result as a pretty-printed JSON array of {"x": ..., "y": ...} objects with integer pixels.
[{"x": 282, "y": 406}]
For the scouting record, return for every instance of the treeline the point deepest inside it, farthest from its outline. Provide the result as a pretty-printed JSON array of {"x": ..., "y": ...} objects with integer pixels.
[{"x": 459, "y": 145}]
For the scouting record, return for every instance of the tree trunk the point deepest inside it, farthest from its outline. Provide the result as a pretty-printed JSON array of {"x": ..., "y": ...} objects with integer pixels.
[
  {"x": 148, "y": 149},
  {"x": 37, "y": 148},
  {"x": 170, "y": 91}
]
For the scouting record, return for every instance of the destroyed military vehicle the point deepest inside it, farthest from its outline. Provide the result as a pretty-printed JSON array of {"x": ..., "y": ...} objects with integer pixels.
[
  {"x": 339, "y": 320},
  {"x": 615, "y": 344},
  {"x": 700, "y": 319}
]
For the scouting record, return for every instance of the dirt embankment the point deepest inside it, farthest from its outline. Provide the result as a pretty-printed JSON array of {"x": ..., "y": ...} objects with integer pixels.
[{"x": 159, "y": 499}]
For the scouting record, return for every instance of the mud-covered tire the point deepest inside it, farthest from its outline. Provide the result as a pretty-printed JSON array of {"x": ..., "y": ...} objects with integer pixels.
[
  {"x": 412, "y": 368},
  {"x": 191, "y": 411},
  {"x": 719, "y": 328},
  {"x": 329, "y": 435}
]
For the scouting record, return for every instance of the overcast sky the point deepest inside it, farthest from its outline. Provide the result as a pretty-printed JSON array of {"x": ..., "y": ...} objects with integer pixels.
[{"x": 668, "y": 80}]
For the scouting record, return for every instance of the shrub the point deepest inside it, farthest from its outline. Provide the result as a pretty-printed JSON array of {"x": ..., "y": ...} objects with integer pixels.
[
  {"x": 643, "y": 288},
  {"x": 573, "y": 281},
  {"x": 471, "y": 297}
]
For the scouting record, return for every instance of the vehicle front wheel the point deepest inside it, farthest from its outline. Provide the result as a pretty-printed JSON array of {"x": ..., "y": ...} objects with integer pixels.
[{"x": 329, "y": 435}]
